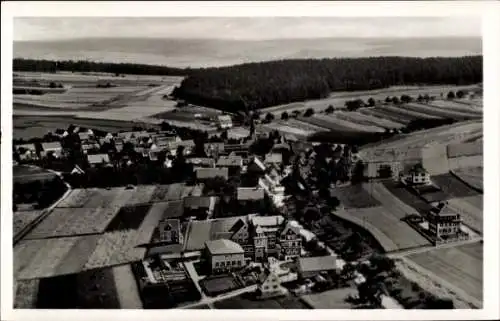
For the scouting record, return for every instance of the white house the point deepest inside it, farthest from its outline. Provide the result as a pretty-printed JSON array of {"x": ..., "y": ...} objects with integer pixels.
[
  {"x": 53, "y": 147},
  {"x": 224, "y": 121},
  {"x": 269, "y": 285}
]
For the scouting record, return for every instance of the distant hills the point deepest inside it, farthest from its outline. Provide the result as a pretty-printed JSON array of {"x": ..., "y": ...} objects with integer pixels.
[{"x": 206, "y": 53}]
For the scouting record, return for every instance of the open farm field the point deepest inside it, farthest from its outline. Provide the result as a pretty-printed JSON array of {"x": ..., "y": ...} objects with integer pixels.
[
  {"x": 461, "y": 266},
  {"x": 470, "y": 209},
  {"x": 465, "y": 149},
  {"x": 291, "y": 122},
  {"x": 22, "y": 219},
  {"x": 457, "y": 105},
  {"x": 354, "y": 196},
  {"x": 402, "y": 111},
  {"x": 390, "y": 231},
  {"x": 375, "y": 112},
  {"x": 353, "y": 125},
  {"x": 386, "y": 198},
  {"x": 74, "y": 221},
  {"x": 285, "y": 129},
  {"x": 404, "y": 196},
  {"x": 471, "y": 175},
  {"x": 440, "y": 112},
  {"x": 452, "y": 186},
  {"x": 443, "y": 135},
  {"x": 325, "y": 123},
  {"x": 338, "y": 99},
  {"x": 362, "y": 119}
]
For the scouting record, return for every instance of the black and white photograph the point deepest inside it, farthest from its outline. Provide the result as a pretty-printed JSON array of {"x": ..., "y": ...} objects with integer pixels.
[{"x": 247, "y": 162}]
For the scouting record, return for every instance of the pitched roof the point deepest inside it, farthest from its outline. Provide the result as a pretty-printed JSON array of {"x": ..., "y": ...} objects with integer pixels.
[
  {"x": 267, "y": 221},
  {"x": 231, "y": 160},
  {"x": 98, "y": 158},
  {"x": 202, "y": 172},
  {"x": 199, "y": 201},
  {"x": 205, "y": 161},
  {"x": 274, "y": 158},
  {"x": 250, "y": 193},
  {"x": 224, "y": 118},
  {"x": 318, "y": 263},
  {"x": 26, "y": 146},
  {"x": 198, "y": 232},
  {"x": 223, "y": 246},
  {"x": 51, "y": 145}
]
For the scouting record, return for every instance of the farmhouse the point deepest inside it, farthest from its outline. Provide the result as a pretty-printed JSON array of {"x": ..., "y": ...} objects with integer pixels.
[
  {"x": 273, "y": 158},
  {"x": 230, "y": 161},
  {"x": 98, "y": 159},
  {"x": 309, "y": 267},
  {"x": 224, "y": 255},
  {"x": 205, "y": 173},
  {"x": 87, "y": 148},
  {"x": 224, "y": 121},
  {"x": 418, "y": 176},
  {"x": 201, "y": 161},
  {"x": 397, "y": 161},
  {"x": 188, "y": 146},
  {"x": 53, "y": 147}
]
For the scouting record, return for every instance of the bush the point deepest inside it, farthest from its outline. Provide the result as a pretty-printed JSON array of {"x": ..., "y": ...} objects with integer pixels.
[
  {"x": 309, "y": 112},
  {"x": 451, "y": 95},
  {"x": 371, "y": 102},
  {"x": 284, "y": 115},
  {"x": 269, "y": 117},
  {"x": 329, "y": 109}
]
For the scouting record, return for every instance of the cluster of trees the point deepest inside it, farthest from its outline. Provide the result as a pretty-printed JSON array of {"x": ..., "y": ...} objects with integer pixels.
[
  {"x": 258, "y": 85},
  {"x": 36, "y": 65}
]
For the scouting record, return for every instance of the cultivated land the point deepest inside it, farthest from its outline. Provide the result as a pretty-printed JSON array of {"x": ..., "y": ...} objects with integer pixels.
[
  {"x": 338, "y": 99},
  {"x": 390, "y": 231},
  {"x": 471, "y": 175},
  {"x": 332, "y": 299},
  {"x": 241, "y": 302},
  {"x": 95, "y": 228},
  {"x": 461, "y": 266}
]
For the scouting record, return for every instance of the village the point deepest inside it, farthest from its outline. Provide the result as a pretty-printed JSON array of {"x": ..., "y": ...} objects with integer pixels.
[{"x": 244, "y": 233}]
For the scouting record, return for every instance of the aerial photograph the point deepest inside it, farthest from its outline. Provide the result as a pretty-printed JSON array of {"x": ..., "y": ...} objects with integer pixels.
[{"x": 247, "y": 163}]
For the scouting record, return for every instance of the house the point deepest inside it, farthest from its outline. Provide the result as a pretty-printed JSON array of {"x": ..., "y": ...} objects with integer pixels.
[
  {"x": 213, "y": 149},
  {"x": 169, "y": 231},
  {"x": 202, "y": 173},
  {"x": 26, "y": 152},
  {"x": 308, "y": 267},
  {"x": 269, "y": 285},
  {"x": 265, "y": 227},
  {"x": 98, "y": 159},
  {"x": 418, "y": 176},
  {"x": 154, "y": 152},
  {"x": 200, "y": 206},
  {"x": 290, "y": 241},
  {"x": 89, "y": 147},
  {"x": 201, "y": 161},
  {"x": 86, "y": 135},
  {"x": 224, "y": 121},
  {"x": 443, "y": 221},
  {"x": 230, "y": 161},
  {"x": 188, "y": 146},
  {"x": 273, "y": 158},
  {"x": 224, "y": 255},
  {"x": 53, "y": 147},
  {"x": 250, "y": 194}
]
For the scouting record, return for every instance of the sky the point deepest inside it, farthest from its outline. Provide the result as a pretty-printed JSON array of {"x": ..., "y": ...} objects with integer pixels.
[{"x": 247, "y": 28}]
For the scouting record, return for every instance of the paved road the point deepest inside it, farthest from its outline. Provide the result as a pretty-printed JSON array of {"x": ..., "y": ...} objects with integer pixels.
[
  {"x": 196, "y": 278},
  {"x": 403, "y": 253},
  {"x": 210, "y": 301}
]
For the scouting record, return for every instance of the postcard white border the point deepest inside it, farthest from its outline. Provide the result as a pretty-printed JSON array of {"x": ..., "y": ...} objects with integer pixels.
[{"x": 488, "y": 10}]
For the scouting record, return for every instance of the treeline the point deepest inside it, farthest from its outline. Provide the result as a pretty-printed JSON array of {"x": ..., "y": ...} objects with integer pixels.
[
  {"x": 20, "y": 64},
  {"x": 264, "y": 84}
]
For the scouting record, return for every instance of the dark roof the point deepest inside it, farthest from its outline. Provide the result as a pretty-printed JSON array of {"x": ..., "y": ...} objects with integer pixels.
[
  {"x": 318, "y": 263},
  {"x": 199, "y": 201}
]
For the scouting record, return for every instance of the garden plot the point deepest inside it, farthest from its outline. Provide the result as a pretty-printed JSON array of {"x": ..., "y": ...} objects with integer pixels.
[
  {"x": 390, "y": 231},
  {"x": 47, "y": 257},
  {"x": 470, "y": 209},
  {"x": 437, "y": 112},
  {"x": 332, "y": 299},
  {"x": 354, "y": 196},
  {"x": 465, "y": 149},
  {"x": 300, "y": 125},
  {"x": 153, "y": 217},
  {"x": 357, "y": 117},
  {"x": 287, "y": 129},
  {"x": 461, "y": 266},
  {"x": 74, "y": 221},
  {"x": 76, "y": 258},
  {"x": 402, "y": 110},
  {"x": 25, "y": 294}
]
